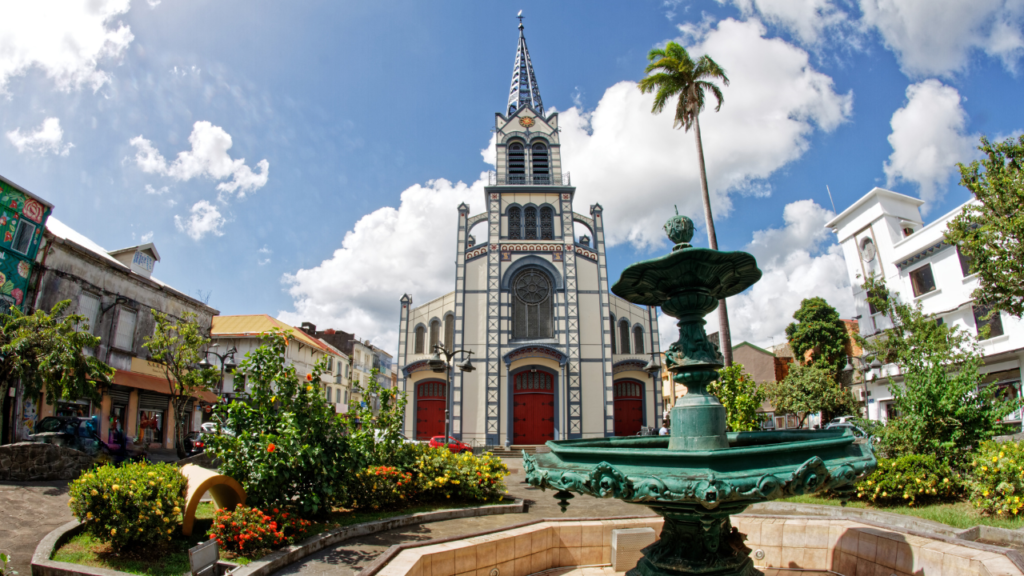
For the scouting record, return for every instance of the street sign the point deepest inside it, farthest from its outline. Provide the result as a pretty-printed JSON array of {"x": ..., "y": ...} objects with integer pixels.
[{"x": 203, "y": 558}]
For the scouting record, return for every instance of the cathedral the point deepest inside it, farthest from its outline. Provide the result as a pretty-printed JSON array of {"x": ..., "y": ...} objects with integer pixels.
[{"x": 556, "y": 354}]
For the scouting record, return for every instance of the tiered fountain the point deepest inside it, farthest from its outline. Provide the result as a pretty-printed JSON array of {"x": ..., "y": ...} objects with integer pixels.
[{"x": 700, "y": 475}]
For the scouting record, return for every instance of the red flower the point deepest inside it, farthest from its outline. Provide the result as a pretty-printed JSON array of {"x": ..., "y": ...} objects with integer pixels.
[
  {"x": 271, "y": 447},
  {"x": 309, "y": 377},
  {"x": 275, "y": 510}
]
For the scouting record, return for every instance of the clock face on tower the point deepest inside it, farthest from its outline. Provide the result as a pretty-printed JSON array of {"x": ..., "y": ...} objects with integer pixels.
[{"x": 526, "y": 122}]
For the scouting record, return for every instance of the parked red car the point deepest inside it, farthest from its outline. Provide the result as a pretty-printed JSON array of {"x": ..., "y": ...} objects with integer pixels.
[{"x": 453, "y": 444}]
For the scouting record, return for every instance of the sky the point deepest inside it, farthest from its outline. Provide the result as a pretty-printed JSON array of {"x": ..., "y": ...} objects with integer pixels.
[{"x": 305, "y": 159}]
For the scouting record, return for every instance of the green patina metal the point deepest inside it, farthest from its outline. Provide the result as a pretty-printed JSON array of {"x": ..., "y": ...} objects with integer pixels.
[{"x": 700, "y": 475}]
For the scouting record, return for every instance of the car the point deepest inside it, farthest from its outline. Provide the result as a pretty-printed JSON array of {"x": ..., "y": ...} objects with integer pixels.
[
  {"x": 214, "y": 428},
  {"x": 841, "y": 420},
  {"x": 195, "y": 443},
  {"x": 73, "y": 432},
  {"x": 454, "y": 445},
  {"x": 378, "y": 437}
]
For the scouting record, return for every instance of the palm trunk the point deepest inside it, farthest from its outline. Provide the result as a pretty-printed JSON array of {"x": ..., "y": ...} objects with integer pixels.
[{"x": 724, "y": 336}]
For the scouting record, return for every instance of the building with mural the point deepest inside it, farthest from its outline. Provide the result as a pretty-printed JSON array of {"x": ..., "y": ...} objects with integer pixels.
[
  {"x": 23, "y": 217},
  {"x": 556, "y": 354}
]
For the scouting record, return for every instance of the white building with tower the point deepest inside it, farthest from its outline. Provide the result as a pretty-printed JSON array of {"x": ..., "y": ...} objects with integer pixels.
[
  {"x": 883, "y": 235},
  {"x": 556, "y": 354}
]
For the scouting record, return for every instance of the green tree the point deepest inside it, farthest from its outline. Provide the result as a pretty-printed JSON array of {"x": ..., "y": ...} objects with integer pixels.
[
  {"x": 46, "y": 351},
  {"x": 673, "y": 74},
  {"x": 176, "y": 345},
  {"x": 990, "y": 231},
  {"x": 378, "y": 440},
  {"x": 812, "y": 389},
  {"x": 741, "y": 397},
  {"x": 942, "y": 406},
  {"x": 285, "y": 444},
  {"x": 819, "y": 329}
]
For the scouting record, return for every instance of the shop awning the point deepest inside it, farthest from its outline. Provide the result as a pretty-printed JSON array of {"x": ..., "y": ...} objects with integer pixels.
[{"x": 152, "y": 383}]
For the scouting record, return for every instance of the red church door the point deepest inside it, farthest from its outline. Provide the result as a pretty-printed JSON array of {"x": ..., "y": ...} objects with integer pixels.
[
  {"x": 629, "y": 412},
  {"x": 533, "y": 407},
  {"x": 430, "y": 401}
]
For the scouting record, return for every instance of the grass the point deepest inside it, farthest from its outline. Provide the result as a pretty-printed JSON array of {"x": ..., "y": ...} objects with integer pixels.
[
  {"x": 88, "y": 550},
  {"x": 958, "y": 515}
]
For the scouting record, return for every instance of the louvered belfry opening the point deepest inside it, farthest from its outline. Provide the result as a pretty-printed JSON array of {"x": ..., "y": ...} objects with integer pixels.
[
  {"x": 516, "y": 163},
  {"x": 541, "y": 165},
  {"x": 515, "y": 223},
  {"x": 532, "y": 308},
  {"x": 547, "y": 223},
  {"x": 530, "y": 220}
]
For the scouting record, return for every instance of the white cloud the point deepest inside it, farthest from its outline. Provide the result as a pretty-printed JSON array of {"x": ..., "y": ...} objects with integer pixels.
[
  {"x": 806, "y": 19},
  {"x": 928, "y": 139},
  {"x": 263, "y": 256},
  {"x": 208, "y": 157},
  {"x": 937, "y": 37},
  {"x": 204, "y": 219},
  {"x": 48, "y": 138},
  {"x": 637, "y": 166},
  {"x": 388, "y": 252},
  {"x": 798, "y": 261},
  {"x": 66, "y": 39},
  {"x": 147, "y": 237},
  {"x": 157, "y": 191}
]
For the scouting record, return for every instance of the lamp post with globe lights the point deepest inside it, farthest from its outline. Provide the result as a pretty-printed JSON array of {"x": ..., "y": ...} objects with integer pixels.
[{"x": 439, "y": 365}]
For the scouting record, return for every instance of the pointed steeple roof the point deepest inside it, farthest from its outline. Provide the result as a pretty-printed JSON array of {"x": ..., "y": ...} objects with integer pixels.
[{"x": 524, "y": 91}]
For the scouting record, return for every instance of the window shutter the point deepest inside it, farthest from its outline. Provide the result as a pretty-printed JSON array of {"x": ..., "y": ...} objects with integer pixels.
[
  {"x": 89, "y": 306},
  {"x": 125, "y": 330}
]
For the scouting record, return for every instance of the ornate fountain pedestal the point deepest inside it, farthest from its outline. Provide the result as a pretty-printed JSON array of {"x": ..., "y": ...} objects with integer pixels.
[{"x": 699, "y": 476}]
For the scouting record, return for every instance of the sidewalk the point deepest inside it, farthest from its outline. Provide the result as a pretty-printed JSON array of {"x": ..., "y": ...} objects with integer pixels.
[
  {"x": 351, "y": 556},
  {"x": 28, "y": 512}
]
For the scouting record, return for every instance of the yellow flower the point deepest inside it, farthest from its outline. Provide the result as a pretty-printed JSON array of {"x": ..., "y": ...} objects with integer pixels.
[
  {"x": 995, "y": 459},
  {"x": 88, "y": 514},
  {"x": 113, "y": 531},
  {"x": 94, "y": 492},
  {"x": 177, "y": 510},
  {"x": 985, "y": 493},
  {"x": 115, "y": 487},
  {"x": 1000, "y": 454}
]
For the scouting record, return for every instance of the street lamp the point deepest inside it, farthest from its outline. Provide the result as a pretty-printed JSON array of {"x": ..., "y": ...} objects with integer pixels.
[
  {"x": 871, "y": 371},
  {"x": 439, "y": 364},
  {"x": 227, "y": 363}
]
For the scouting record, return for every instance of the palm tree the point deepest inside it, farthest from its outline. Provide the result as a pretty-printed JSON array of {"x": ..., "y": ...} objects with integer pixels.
[{"x": 672, "y": 73}]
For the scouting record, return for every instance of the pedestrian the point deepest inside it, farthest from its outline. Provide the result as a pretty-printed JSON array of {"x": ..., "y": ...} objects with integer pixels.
[{"x": 664, "y": 428}]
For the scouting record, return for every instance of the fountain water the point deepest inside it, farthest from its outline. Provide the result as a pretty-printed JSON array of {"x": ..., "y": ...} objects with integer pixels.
[{"x": 700, "y": 475}]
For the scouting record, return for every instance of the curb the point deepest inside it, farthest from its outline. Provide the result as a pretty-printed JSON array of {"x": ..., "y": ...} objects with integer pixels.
[
  {"x": 876, "y": 516},
  {"x": 42, "y": 565}
]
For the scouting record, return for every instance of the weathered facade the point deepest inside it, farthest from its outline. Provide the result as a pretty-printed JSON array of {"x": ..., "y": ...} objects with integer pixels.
[
  {"x": 116, "y": 292},
  {"x": 557, "y": 355}
]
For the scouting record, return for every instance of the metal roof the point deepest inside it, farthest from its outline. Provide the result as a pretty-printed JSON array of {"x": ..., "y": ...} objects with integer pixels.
[
  {"x": 253, "y": 325},
  {"x": 524, "y": 91}
]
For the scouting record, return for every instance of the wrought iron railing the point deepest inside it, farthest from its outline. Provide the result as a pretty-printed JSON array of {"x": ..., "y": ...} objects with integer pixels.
[{"x": 531, "y": 180}]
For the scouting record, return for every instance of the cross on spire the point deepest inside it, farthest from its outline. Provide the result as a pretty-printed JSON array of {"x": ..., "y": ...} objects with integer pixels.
[{"x": 524, "y": 91}]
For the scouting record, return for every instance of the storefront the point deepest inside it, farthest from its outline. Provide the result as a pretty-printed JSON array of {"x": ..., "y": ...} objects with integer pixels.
[{"x": 150, "y": 424}]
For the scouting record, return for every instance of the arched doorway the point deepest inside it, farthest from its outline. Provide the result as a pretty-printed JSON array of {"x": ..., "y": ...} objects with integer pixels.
[
  {"x": 430, "y": 401},
  {"x": 533, "y": 414},
  {"x": 629, "y": 411}
]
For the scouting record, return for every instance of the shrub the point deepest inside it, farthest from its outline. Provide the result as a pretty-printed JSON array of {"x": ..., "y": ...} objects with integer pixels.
[
  {"x": 910, "y": 480},
  {"x": 443, "y": 475},
  {"x": 290, "y": 447},
  {"x": 250, "y": 531},
  {"x": 381, "y": 488},
  {"x": 130, "y": 506},
  {"x": 995, "y": 481}
]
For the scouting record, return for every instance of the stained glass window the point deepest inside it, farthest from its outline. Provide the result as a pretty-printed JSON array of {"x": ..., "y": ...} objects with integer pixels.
[
  {"x": 638, "y": 340},
  {"x": 449, "y": 332},
  {"x": 435, "y": 333},
  {"x": 515, "y": 223},
  {"x": 547, "y": 223},
  {"x": 531, "y": 306},
  {"x": 530, "y": 217},
  {"x": 624, "y": 335},
  {"x": 420, "y": 333}
]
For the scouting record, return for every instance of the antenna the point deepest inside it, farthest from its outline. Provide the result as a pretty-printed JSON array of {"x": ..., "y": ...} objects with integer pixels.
[
  {"x": 677, "y": 209},
  {"x": 830, "y": 199}
]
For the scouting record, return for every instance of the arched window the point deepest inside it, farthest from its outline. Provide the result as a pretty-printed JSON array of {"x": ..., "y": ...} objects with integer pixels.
[
  {"x": 541, "y": 166},
  {"x": 530, "y": 217},
  {"x": 435, "y": 333},
  {"x": 547, "y": 223},
  {"x": 420, "y": 333},
  {"x": 624, "y": 335},
  {"x": 516, "y": 163},
  {"x": 515, "y": 223},
  {"x": 638, "y": 340},
  {"x": 611, "y": 325},
  {"x": 449, "y": 332},
  {"x": 532, "y": 308}
]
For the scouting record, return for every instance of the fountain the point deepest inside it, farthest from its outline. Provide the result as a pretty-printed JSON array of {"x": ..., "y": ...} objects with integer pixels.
[{"x": 700, "y": 475}]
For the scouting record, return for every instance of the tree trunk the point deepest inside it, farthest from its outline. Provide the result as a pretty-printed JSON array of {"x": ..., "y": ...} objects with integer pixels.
[
  {"x": 724, "y": 335},
  {"x": 179, "y": 403}
]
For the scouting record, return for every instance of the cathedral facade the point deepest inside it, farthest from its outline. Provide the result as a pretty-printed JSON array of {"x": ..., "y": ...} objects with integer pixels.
[{"x": 556, "y": 355}]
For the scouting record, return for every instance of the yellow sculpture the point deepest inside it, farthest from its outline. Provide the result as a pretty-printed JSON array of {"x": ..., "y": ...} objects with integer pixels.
[{"x": 225, "y": 490}]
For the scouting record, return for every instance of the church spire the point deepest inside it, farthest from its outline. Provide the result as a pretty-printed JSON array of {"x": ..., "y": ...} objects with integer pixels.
[{"x": 524, "y": 91}]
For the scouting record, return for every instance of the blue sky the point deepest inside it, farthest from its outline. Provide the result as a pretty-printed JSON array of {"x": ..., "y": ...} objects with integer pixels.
[{"x": 355, "y": 128}]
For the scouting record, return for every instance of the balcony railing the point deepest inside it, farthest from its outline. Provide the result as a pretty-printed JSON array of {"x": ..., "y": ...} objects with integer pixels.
[{"x": 531, "y": 180}]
